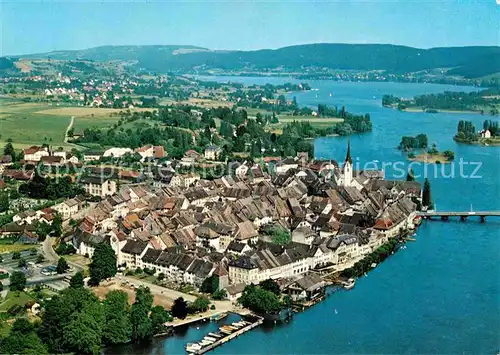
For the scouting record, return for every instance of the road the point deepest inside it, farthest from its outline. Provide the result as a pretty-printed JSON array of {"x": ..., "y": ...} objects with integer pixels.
[
  {"x": 67, "y": 129},
  {"x": 220, "y": 306},
  {"x": 50, "y": 254}
]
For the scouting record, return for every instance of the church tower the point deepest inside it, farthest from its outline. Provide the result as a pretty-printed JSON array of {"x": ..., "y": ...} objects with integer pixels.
[{"x": 347, "y": 180}]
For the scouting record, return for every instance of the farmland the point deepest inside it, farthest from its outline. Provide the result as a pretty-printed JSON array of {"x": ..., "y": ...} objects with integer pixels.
[
  {"x": 22, "y": 123},
  {"x": 30, "y": 124},
  {"x": 318, "y": 122}
]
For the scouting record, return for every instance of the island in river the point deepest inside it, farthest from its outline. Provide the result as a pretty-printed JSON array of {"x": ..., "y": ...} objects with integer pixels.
[{"x": 484, "y": 102}]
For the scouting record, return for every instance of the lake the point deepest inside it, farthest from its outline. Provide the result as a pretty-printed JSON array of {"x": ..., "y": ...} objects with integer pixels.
[{"x": 441, "y": 294}]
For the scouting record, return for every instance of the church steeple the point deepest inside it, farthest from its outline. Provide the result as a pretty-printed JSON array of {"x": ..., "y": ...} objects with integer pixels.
[{"x": 348, "y": 155}]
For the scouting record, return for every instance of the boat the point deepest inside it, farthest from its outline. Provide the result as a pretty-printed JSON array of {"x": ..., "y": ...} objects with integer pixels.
[
  {"x": 214, "y": 335},
  {"x": 350, "y": 284},
  {"x": 192, "y": 347},
  {"x": 210, "y": 339},
  {"x": 218, "y": 317}
]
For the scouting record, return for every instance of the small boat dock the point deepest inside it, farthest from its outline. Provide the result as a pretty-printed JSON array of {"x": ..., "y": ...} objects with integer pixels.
[{"x": 226, "y": 333}]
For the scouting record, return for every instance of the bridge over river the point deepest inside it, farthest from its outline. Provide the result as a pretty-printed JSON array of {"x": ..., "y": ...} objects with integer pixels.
[{"x": 463, "y": 215}]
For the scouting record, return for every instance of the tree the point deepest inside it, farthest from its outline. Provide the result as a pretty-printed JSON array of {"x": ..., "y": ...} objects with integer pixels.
[
  {"x": 142, "y": 327},
  {"x": 57, "y": 225},
  {"x": 22, "y": 263},
  {"x": 16, "y": 255},
  {"x": 270, "y": 285},
  {"x": 77, "y": 280},
  {"x": 22, "y": 339},
  {"x": 103, "y": 264},
  {"x": 4, "y": 201},
  {"x": 280, "y": 236},
  {"x": 426, "y": 195},
  {"x": 219, "y": 294},
  {"x": 117, "y": 327},
  {"x": 450, "y": 155},
  {"x": 179, "y": 308},
  {"x": 410, "y": 176},
  {"x": 159, "y": 316},
  {"x": 260, "y": 300},
  {"x": 39, "y": 258},
  {"x": 83, "y": 334},
  {"x": 200, "y": 304},
  {"x": 210, "y": 284},
  {"x": 72, "y": 322},
  {"x": 62, "y": 266},
  {"x": 17, "y": 281}
]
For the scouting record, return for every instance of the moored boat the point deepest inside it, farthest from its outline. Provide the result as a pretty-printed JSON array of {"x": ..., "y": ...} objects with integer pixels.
[{"x": 350, "y": 284}]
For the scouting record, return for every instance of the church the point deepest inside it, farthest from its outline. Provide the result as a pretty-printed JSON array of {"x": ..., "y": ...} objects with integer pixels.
[{"x": 345, "y": 175}]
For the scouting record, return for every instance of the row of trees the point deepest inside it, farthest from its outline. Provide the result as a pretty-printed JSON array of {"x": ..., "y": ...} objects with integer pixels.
[
  {"x": 50, "y": 188},
  {"x": 377, "y": 256},
  {"x": 466, "y": 132},
  {"x": 418, "y": 142}
]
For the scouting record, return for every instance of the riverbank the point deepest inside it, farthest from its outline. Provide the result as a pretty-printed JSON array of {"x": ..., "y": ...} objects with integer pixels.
[
  {"x": 439, "y": 158},
  {"x": 425, "y": 110},
  {"x": 485, "y": 142}
]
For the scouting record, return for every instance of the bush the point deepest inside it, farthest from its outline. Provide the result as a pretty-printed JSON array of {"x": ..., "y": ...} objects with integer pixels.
[
  {"x": 65, "y": 249},
  {"x": 212, "y": 307}
]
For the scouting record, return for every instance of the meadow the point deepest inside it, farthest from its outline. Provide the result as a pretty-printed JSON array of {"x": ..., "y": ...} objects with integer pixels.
[{"x": 25, "y": 126}]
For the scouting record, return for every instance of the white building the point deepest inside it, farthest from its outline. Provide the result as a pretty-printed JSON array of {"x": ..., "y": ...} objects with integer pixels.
[
  {"x": 98, "y": 186},
  {"x": 35, "y": 153},
  {"x": 117, "y": 152}
]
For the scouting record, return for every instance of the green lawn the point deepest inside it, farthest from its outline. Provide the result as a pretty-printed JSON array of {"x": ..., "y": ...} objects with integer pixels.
[
  {"x": 13, "y": 298},
  {"x": 25, "y": 126},
  {"x": 99, "y": 122}
]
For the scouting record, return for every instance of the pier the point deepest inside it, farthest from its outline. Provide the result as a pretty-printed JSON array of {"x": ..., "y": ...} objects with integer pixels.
[
  {"x": 462, "y": 215},
  {"x": 223, "y": 338}
]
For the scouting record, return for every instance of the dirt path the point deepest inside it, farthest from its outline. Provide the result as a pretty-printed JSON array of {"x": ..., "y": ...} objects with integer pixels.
[{"x": 67, "y": 129}]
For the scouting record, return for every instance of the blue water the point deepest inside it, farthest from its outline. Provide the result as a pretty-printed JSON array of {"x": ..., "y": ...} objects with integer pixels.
[{"x": 441, "y": 294}]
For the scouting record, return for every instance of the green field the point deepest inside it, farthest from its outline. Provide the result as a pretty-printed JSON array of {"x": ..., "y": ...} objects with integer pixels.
[
  {"x": 317, "y": 122},
  {"x": 14, "y": 297},
  {"x": 24, "y": 124},
  {"x": 99, "y": 122}
]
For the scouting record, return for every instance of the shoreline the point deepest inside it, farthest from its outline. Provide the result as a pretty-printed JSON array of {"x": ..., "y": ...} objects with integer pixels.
[
  {"x": 420, "y": 110},
  {"x": 480, "y": 143},
  {"x": 427, "y": 158}
]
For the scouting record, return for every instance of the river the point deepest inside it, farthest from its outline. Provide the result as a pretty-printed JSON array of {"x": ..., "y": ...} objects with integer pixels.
[{"x": 442, "y": 293}]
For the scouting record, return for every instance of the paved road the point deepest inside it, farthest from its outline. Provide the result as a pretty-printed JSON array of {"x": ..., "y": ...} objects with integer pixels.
[{"x": 51, "y": 255}]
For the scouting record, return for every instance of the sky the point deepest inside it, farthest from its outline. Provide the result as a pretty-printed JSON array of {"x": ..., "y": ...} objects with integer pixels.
[{"x": 42, "y": 26}]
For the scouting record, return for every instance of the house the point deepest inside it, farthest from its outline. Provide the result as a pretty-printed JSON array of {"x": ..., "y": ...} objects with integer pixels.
[
  {"x": 117, "y": 152},
  {"x": 35, "y": 153},
  {"x": 151, "y": 152},
  {"x": 27, "y": 237},
  {"x": 92, "y": 155},
  {"x": 132, "y": 253},
  {"x": 308, "y": 287},
  {"x": 212, "y": 152},
  {"x": 235, "y": 291},
  {"x": 190, "y": 158},
  {"x": 5, "y": 161},
  {"x": 52, "y": 160},
  {"x": 26, "y": 217},
  {"x": 184, "y": 181},
  {"x": 98, "y": 186},
  {"x": 238, "y": 248},
  {"x": 68, "y": 208},
  {"x": 285, "y": 165},
  {"x": 23, "y": 175},
  {"x": 485, "y": 133}
]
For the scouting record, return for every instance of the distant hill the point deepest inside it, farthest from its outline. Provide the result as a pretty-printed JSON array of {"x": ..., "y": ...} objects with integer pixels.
[{"x": 470, "y": 62}]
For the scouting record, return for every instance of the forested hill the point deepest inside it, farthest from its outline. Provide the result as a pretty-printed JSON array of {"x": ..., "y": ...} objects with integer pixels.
[{"x": 466, "y": 61}]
